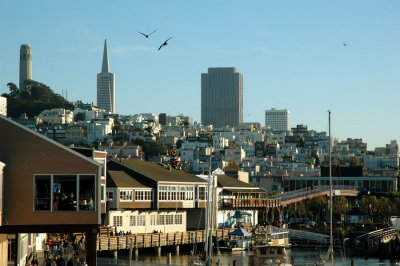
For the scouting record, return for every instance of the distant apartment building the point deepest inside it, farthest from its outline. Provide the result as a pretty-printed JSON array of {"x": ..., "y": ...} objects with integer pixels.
[
  {"x": 76, "y": 134},
  {"x": 87, "y": 115},
  {"x": 167, "y": 120},
  {"x": 389, "y": 149},
  {"x": 55, "y": 132},
  {"x": 169, "y": 140},
  {"x": 106, "y": 85},
  {"x": 3, "y": 105},
  {"x": 121, "y": 151},
  {"x": 278, "y": 120},
  {"x": 56, "y": 116},
  {"x": 235, "y": 155},
  {"x": 222, "y": 97},
  {"x": 220, "y": 142}
]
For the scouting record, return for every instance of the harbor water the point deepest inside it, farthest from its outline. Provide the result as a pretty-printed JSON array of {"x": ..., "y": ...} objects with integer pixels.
[{"x": 302, "y": 257}]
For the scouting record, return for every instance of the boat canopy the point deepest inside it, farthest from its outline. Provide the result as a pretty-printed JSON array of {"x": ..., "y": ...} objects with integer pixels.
[
  {"x": 239, "y": 232},
  {"x": 240, "y": 214}
]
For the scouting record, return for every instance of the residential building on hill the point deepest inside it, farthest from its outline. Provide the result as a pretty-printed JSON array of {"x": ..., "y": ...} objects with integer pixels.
[
  {"x": 3, "y": 106},
  {"x": 56, "y": 116},
  {"x": 121, "y": 151},
  {"x": 278, "y": 120}
]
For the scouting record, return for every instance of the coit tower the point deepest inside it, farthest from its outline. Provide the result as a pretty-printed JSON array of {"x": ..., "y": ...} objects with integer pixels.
[
  {"x": 106, "y": 84},
  {"x": 25, "y": 66}
]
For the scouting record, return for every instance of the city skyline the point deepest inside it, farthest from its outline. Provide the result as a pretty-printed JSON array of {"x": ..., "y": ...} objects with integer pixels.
[{"x": 291, "y": 58}]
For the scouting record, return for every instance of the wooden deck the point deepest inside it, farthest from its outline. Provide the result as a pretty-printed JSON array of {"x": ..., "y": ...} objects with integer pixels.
[
  {"x": 105, "y": 242},
  {"x": 250, "y": 203}
]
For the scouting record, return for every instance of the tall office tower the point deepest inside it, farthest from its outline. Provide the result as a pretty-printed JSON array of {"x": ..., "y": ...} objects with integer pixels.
[
  {"x": 25, "y": 66},
  {"x": 222, "y": 97},
  {"x": 106, "y": 85},
  {"x": 277, "y": 119}
]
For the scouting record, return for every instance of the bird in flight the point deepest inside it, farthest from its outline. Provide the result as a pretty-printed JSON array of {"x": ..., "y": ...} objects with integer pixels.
[
  {"x": 344, "y": 44},
  {"x": 147, "y": 35},
  {"x": 165, "y": 43}
]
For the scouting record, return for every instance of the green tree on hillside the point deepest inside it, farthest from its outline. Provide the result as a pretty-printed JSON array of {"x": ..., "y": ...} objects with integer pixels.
[{"x": 35, "y": 99}]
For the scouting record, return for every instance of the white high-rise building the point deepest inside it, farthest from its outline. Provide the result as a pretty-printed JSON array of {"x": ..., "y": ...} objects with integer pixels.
[
  {"x": 277, "y": 119},
  {"x": 222, "y": 97},
  {"x": 3, "y": 106},
  {"x": 106, "y": 85},
  {"x": 25, "y": 66}
]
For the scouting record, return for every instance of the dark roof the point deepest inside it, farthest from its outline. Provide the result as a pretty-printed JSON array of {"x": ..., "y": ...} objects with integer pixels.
[
  {"x": 227, "y": 181},
  {"x": 16, "y": 126},
  {"x": 158, "y": 172},
  {"x": 84, "y": 151},
  {"x": 122, "y": 179}
]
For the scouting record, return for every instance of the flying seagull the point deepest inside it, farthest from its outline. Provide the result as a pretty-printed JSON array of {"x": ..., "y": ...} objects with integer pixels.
[
  {"x": 344, "y": 44},
  {"x": 165, "y": 43},
  {"x": 147, "y": 35}
]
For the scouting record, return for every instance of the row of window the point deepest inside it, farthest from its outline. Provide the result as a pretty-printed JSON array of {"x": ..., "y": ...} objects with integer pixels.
[
  {"x": 140, "y": 195},
  {"x": 167, "y": 193},
  {"x": 155, "y": 219},
  {"x": 179, "y": 193}
]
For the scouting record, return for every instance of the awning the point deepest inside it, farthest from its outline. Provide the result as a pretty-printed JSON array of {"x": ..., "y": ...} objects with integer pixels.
[
  {"x": 240, "y": 214},
  {"x": 239, "y": 232}
]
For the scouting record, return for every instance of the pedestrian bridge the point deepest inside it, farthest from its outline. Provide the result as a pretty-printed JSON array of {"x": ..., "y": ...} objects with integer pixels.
[
  {"x": 299, "y": 237},
  {"x": 314, "y": 191},
  {"x": 374, "y": 238},
  {"x": 289, "y": 197}
]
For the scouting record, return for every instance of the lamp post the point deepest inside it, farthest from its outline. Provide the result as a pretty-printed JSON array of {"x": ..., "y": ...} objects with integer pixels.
[{"x": 210, "y": 216}]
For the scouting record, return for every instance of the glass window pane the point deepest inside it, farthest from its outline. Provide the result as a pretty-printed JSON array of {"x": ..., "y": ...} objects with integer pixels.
[
  {"x": 64, "y": 193},
  {"x": 42, "y": 193},
  {"x": 86, "y": 194},
  {"x": 102, "y": 192}
]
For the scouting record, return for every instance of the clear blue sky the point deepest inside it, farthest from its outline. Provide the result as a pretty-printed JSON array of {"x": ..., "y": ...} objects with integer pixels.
[{"x": 290, "y": 53}]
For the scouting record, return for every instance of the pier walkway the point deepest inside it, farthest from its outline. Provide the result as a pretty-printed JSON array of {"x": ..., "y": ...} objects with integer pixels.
[
  {"x": 300, "y": 238},
  {"x": 374, "y": 238},
  {"x": 136, "y": 241}
]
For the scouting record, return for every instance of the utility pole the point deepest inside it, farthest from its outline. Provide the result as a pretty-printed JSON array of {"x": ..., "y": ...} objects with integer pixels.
[{"x": 330, "y": 252}]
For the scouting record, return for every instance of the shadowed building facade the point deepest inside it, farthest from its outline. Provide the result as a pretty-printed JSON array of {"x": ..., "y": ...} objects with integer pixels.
[
  {"x": 222, "y": 97},
  {"x": 106, "y": 85},
  {"x": 25, "y": 66},
  {"x": 47, "y": 188}
]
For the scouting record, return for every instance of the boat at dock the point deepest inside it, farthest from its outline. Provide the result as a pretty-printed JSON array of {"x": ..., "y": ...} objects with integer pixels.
[
  {"x": 270, "y": 247},
  {"x": 239, "y": 240}
]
